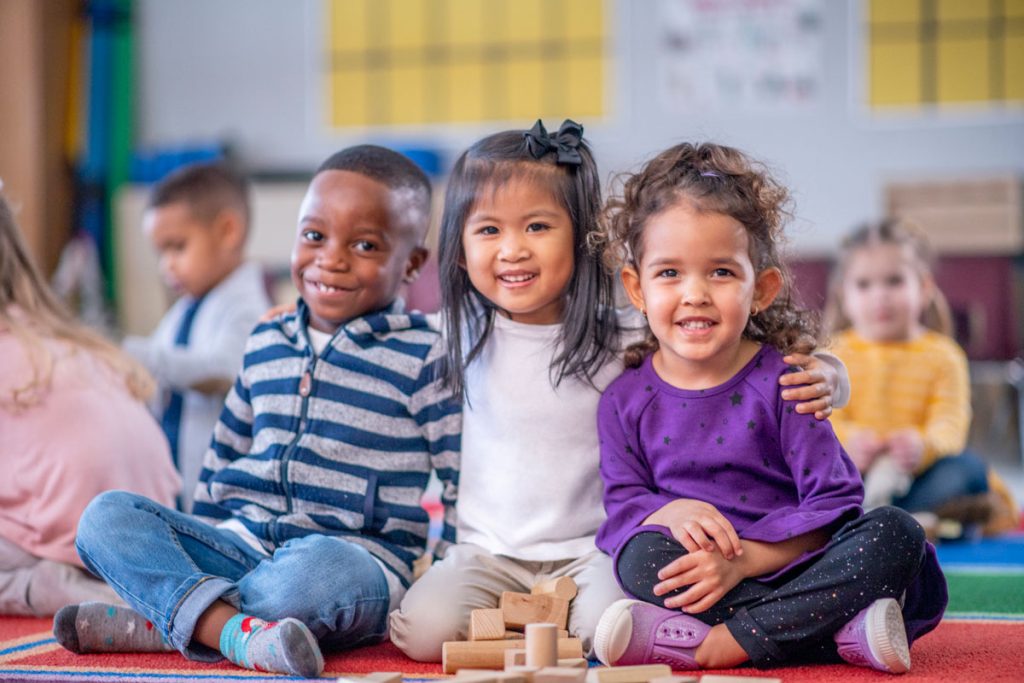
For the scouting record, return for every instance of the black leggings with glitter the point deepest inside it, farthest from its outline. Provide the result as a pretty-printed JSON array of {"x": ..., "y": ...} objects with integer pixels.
[{"x": 792, "y": 618}]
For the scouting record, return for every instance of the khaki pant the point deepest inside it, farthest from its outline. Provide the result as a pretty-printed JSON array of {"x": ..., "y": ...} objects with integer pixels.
[
  {"x": 30, "y": 586},
  {"x": 436, "y": 609}
]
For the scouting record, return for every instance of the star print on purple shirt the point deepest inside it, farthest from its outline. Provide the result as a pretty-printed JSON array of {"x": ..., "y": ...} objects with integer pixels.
[{"x": 773, "y": 472}]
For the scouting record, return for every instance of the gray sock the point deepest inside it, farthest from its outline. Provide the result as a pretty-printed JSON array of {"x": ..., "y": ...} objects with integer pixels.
[
  {"x": 285, "y": 647},
  {"x": 101, "y": 627}
]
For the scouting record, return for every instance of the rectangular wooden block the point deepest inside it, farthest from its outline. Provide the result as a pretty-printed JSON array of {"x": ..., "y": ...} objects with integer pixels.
[
  {"x": 520, "y": 609},
  {"x": 562, "y": 587},
  {"x": 519, "y": 635},
  {"x": 490, "y": 654},
  {"x": 384, "y": 677},
  {"x": 628, "y": 674},
  {"x": 557, "y": 674},
  {"x": 486, "y": 624},
  {"x": 490, "y": 676},
  {"x": 576, "y": 663}
]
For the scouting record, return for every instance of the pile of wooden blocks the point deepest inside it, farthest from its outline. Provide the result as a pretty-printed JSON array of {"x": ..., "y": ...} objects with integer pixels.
[{"x": 493, "y": 632}]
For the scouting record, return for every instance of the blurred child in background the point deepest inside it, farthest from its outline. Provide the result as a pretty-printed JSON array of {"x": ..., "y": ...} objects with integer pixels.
[
  {"x": 197, "y": 220},
  {"x": 73, "y": 423},
  {"x": 907, "y": 422}
]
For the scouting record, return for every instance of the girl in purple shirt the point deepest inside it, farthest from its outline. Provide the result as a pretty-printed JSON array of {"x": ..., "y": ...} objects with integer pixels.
[{"x": 734, "y": 521}]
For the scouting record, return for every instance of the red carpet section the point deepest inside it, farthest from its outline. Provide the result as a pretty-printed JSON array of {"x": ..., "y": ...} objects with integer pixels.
[{"x": 983, "y": 651}]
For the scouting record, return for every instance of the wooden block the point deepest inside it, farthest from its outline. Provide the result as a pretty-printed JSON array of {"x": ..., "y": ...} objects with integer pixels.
[
  {"x": 477, "y": 676},
  {"x": 541, "y": 645},
  {"x": 514, "y": 658},
  {"x": 575, "y": 663},
  {"x": 384, "y": 677},
  {"x": 519, "y": 635},
  {"x": 520, "y": 609},
  {"x": 486, "y": 624},
  {"x": 714, "y": 678},
  {"x": 675, "y": 679},
  {"x": 491, "y": 676},
  {"x": 562, "y": 587},
  {"x": 526, "y": 672},
  {"x": 490, "y": 654},
  {"x": 556, "y": 674},
  {"x": 628, "y": 674}
]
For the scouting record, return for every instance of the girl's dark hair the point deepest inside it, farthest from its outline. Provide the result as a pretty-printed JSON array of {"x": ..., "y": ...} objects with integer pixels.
[
  {"x": 901, "y": 233},
  {"x": 589, "y": 330},
  {"x": 719, "y": 179}
]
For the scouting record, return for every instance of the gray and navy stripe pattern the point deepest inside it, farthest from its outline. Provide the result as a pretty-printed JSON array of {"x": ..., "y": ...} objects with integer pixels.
[{"x": 341, "y": 444}]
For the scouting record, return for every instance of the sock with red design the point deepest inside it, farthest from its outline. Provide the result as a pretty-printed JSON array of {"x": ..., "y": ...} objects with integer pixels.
[
  {"x": 285, "y": 647},
  {"x": 101, "y": 627}
]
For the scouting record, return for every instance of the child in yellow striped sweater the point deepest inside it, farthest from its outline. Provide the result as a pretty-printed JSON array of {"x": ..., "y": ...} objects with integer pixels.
[{"x": 906, "y": 424}]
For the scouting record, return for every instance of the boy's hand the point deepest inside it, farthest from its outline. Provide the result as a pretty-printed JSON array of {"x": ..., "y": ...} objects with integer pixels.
[
  {"x": 820, "y": 382},
  {"x": 708, "y": 574},
  {"x": 698, "y": 526},
  {"x": 906, "y": 448},
  {"x": 280, "y": 309},
  {"x": 863, "y": 446}
]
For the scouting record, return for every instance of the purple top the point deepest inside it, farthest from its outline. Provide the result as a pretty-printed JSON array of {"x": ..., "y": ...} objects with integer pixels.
[{"x": 773, "y": 472}]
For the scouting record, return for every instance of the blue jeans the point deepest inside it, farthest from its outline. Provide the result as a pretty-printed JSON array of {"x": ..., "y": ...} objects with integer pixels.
[
  {"x": 948, "y": 478},
  {"x": 170, "y": 567}
]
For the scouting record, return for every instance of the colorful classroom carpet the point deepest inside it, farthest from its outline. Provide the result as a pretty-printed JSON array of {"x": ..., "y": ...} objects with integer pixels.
[{"x": 982, "y": 639}]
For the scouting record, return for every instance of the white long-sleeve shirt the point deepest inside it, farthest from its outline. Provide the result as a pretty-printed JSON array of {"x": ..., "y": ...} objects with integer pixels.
[{"x": 529, "y": 485}]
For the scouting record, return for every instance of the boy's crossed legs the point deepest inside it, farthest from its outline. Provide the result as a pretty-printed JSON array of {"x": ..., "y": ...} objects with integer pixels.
[{"x": 198, "y": 585}]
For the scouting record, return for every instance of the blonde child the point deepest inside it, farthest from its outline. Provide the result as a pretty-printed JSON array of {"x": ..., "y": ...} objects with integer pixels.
[
  {"x": 907, "y": 424},
  {"x": 74, "y": 423},
  {"x": 533, "y": 338},
  {"x": 197, "y": 219},
  {"x": 735, "y": 521},
  {"x": 307, "y": 519}
]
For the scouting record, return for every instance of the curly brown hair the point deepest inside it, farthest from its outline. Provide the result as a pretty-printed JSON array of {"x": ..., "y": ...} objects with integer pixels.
[{"x": 720, "y": 179}]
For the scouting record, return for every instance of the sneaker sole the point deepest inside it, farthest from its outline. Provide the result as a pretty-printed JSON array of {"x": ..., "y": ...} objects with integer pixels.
[
  {"x": 613, "y": 632},
  {"x": 887, "y": 636},
  {"x": 295, "y": 637}
]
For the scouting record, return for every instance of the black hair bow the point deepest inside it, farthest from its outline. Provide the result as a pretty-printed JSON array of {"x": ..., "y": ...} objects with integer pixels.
[{"x": 566, "y": 142}]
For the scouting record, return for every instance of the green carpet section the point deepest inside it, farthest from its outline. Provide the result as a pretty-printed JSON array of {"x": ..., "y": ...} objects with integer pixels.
[{"x": 982, "y": 593}]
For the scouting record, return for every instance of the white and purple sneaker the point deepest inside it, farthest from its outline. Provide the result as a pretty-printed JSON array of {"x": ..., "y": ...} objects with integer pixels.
[
  {"x": 876, "y": 638},
  {"x": 636, "y": 632}
]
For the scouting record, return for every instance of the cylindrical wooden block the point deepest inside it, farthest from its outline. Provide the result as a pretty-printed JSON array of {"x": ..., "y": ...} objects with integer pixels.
[{"x": 541, "y": 645}]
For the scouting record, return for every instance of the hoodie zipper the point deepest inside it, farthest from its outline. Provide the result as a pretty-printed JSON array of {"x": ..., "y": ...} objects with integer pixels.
[{"x": 305, "y": 389}]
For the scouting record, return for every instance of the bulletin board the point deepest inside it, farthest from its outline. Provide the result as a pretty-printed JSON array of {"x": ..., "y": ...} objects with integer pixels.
[
  {"x": 409, "y": 62},
  {"x": 739, "y": 55},
  {"x": 944, "y": 54}
]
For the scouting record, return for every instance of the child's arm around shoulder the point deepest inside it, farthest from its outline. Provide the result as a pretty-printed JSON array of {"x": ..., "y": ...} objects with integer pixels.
[{"x": 822, "y": 383}]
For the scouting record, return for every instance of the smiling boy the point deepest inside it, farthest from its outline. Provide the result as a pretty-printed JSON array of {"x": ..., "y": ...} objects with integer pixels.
[{"x": 310, "y": 492}]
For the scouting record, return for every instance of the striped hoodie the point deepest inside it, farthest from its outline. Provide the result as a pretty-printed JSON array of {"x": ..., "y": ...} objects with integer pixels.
[{"x": 341, "y": 444}]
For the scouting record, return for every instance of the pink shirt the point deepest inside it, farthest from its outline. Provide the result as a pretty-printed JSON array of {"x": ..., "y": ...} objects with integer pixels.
[{"x": 86, "y": 436}]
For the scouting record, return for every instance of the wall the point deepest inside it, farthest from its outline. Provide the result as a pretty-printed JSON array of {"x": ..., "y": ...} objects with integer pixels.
[
  {"x": 33, "y": 82},
  {"x": 240, "y": 69}
]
